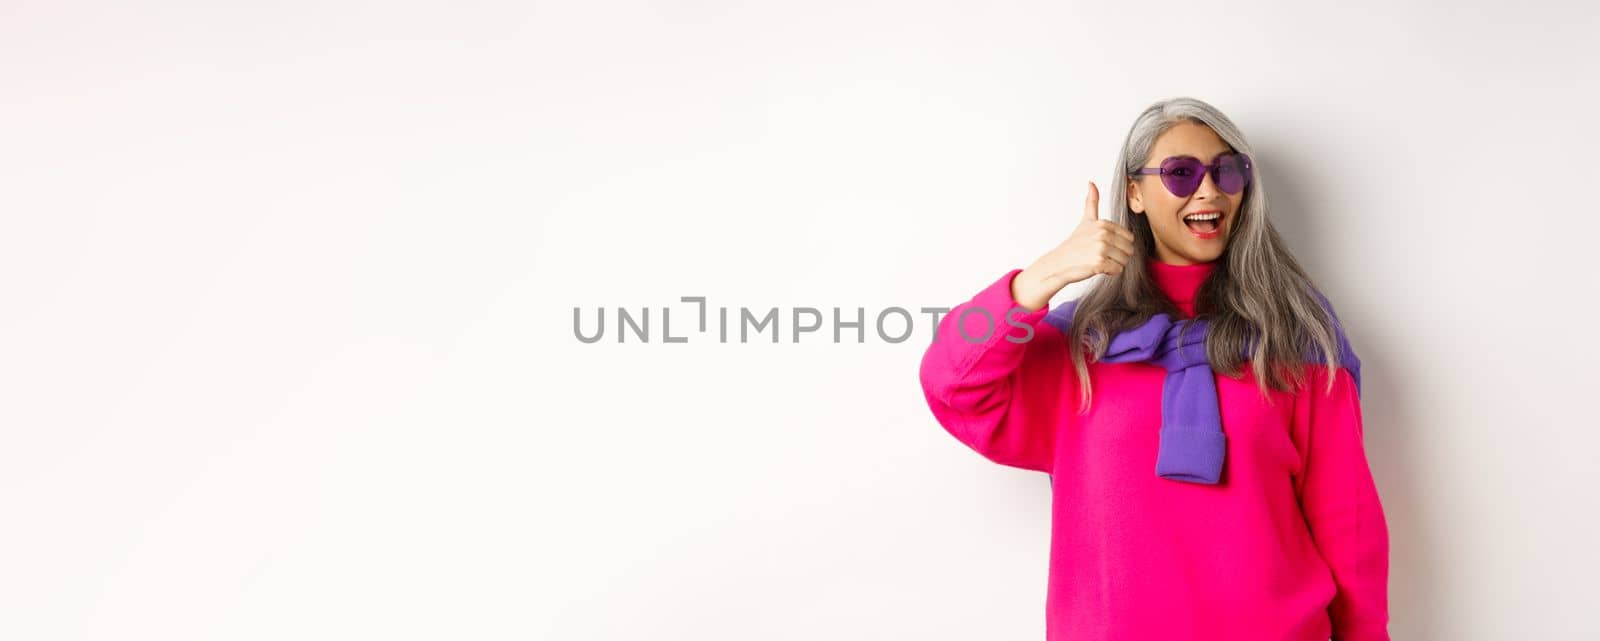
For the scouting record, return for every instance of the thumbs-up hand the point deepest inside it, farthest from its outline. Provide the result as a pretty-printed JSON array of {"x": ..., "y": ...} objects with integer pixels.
[{"x": 1095, "y": 247}]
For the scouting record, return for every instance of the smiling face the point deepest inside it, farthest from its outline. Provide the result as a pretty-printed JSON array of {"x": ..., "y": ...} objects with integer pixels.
[{"x": 1177, "y": 242}]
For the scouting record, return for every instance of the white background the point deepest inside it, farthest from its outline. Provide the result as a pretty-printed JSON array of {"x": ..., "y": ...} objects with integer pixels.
[{"x": 288, "y": 291}]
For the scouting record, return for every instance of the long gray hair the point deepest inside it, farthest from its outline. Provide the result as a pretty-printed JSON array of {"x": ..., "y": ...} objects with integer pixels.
[{"x": 1257, "y": 293}]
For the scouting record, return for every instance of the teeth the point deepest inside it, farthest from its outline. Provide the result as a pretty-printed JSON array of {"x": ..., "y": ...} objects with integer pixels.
[{"x": 1210, "y": 216}]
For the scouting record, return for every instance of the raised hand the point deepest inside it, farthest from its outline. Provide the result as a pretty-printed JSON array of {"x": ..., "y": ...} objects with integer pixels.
[{"x": 1095, "y": 247}]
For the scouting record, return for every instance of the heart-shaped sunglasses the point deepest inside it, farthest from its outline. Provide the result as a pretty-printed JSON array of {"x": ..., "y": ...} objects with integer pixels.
[{"x": 1183, "y": 174}]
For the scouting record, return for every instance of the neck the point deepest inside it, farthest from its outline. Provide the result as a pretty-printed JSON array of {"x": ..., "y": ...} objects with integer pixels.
[{"x": 1180, "y": 282}]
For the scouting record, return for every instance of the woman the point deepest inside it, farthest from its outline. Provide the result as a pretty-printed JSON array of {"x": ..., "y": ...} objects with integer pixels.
[{"x": 1193, "y": 499}]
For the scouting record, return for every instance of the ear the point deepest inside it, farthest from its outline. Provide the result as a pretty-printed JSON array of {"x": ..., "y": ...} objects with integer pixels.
[{"x": 1135, "y": 201}]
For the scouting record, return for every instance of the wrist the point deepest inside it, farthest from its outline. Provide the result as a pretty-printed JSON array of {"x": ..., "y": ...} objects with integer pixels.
[{"x": 1029, "y": 292}]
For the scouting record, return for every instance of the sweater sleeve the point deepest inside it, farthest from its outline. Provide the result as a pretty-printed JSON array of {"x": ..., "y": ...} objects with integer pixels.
[
  {"x": 1341, "y": 505},
  {"x": 993, "y": 377}
]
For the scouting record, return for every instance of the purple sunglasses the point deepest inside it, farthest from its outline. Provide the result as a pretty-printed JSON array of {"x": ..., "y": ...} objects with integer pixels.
[{"x": 1183, "y": 174}]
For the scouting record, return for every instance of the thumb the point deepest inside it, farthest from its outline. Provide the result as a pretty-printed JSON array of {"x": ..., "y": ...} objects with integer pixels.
[{"x": 1091, "y": 204}]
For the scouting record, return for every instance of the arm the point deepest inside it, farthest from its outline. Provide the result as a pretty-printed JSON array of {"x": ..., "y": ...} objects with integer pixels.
[
  {"x": 998, "y": 397},
  {"x": 1341, "y": 505}
]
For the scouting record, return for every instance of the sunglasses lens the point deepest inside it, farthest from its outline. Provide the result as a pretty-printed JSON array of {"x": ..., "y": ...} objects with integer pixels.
[
  {"x": 1182, "y": 175},
  {"x": 1233, "y": 172}
]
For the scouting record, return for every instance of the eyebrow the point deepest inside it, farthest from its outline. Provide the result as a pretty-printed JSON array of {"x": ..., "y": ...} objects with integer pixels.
[{"x": 1213, "y": 157}]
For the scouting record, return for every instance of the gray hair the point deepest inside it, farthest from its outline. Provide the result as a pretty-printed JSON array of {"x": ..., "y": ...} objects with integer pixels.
[{"x": 1257, "y": 294}]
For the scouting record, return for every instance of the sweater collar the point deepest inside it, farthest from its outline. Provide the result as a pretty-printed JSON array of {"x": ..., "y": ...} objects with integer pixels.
[{"x": 1180, "y": 282}]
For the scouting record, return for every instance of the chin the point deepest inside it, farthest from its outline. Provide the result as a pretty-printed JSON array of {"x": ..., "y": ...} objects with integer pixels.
[{"x": 1208, "y": 254}]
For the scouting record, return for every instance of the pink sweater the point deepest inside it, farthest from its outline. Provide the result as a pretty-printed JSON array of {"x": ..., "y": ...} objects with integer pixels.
[{"x": 1290, "y": 545}]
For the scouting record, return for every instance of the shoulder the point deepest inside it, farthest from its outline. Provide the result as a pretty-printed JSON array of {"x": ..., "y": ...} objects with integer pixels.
[{"x": 1322, "y": 387}]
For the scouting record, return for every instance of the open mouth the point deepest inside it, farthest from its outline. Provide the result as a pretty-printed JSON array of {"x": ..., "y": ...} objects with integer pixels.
[{"x": 1204, "y": 224}]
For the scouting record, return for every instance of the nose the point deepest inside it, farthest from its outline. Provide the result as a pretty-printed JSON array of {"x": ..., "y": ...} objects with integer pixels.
[{"x": 1208, "y": 188}]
